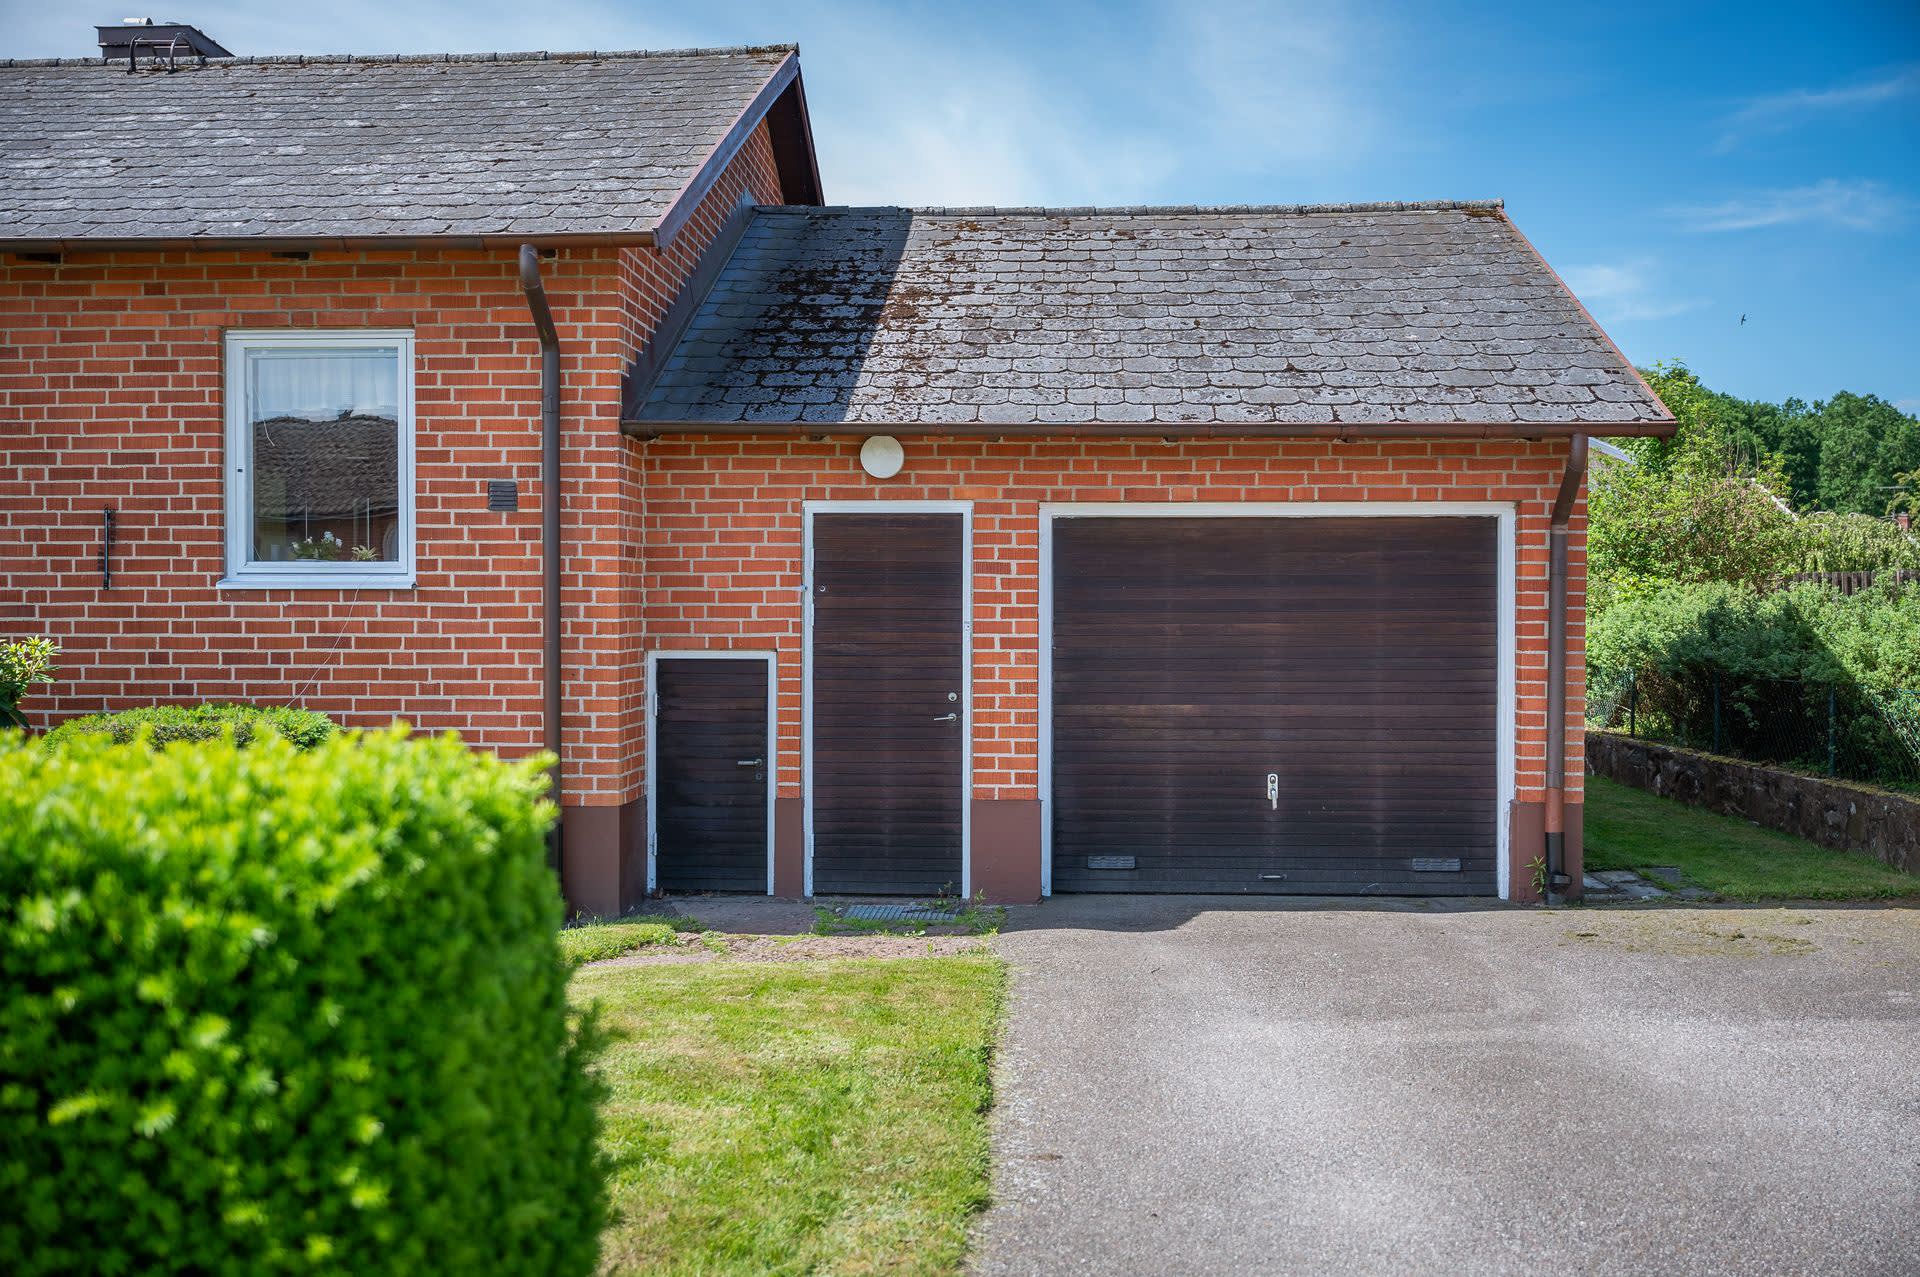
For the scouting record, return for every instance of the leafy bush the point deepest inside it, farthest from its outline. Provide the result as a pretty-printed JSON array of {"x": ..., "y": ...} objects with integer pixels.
[
  {"x": 301, "y": 728},
  {"x": 23, "y": 662},
  {"x": 274, "y": 1011},
  {"x": 1806, "y": 677},
  {"x": 1810, "y": 632},
  {"x": 1851, "y": 543}
]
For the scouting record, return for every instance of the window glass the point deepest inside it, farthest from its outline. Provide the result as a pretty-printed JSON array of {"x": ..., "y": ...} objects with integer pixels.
[{"x": 324, "y": 438}]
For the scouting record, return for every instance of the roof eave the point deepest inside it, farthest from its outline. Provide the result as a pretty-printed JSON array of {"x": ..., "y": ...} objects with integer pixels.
[
  {"x": 647, "y": 428},
  {"x": 316, "y": 243}
]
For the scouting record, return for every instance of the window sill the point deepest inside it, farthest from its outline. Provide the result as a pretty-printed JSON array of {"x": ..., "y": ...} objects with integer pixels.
[{"x": 318, "y": 581}]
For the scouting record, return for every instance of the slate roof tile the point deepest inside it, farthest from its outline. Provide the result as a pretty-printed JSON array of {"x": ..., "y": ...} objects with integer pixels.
[
  {"x": 354, "y": 147},
  {"x": 1316, "y": 313}
]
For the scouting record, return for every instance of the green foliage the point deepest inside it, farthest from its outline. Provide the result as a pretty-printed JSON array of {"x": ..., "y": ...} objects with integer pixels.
[
  {"x": 1809, "y": 632},
  {"x": 273, "y": 1011},
  {"x": 164, "y": 724},
  {"x": 1850, "y": 543},
  {"x": 1704, "y": 505},
  {"x": 23, "y": 662},
  {"x": 1852, "y": 454}
]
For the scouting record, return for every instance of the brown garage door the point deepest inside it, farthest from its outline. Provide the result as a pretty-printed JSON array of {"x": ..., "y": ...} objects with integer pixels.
[{"x": 1275, "y": 705}]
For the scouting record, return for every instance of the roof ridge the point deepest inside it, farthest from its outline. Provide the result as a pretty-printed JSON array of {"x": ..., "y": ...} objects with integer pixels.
[
  {"x": 1148, "y": 210},
  {"x": 338, "y": 59}
]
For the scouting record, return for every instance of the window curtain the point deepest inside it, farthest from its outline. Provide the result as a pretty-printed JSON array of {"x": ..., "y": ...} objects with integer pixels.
[{"x": 321, "y": 384}]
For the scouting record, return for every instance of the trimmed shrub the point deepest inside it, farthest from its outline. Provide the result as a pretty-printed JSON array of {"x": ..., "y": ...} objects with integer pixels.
[
  {"x": 274, "y": 1011},
  {"x": 164, "y": 724},
  {"x": 23, "y": 662}
]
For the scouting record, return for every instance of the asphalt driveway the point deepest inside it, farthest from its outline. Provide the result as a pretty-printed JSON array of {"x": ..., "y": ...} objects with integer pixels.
[{"x": 1194, "y": 1085}]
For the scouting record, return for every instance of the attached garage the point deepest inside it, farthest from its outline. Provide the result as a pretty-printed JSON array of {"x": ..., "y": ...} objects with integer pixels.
[{"x": 1277, "y": 700}]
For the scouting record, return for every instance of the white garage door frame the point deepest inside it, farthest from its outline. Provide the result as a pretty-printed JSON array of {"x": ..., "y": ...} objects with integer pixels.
[{"x": 1505, "y": 708}]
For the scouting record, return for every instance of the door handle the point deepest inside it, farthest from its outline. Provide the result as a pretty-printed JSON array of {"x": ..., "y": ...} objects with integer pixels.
[
  {"x": 750, "y": 762},
  {"x": 1273, "y": 790},
  {"x": 946, "y": 718}
]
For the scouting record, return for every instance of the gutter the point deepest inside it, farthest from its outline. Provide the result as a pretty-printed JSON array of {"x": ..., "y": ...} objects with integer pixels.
[
  {"x": 1558, "y": 880},
  {"x": 643, "y": 428},
  {"x": 531, "y": 285}
]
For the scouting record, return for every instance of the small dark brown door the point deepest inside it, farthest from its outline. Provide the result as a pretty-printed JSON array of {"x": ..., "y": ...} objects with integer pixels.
[
  {"x": 710, "y": 765},
  {"x": 888, "y": 720},
  {"x": 1275, "y": 705}
]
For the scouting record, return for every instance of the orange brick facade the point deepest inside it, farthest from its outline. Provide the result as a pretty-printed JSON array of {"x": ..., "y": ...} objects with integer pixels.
[
  {"x": 722, "y": 548},
  {"x": 111, "y": 396}
]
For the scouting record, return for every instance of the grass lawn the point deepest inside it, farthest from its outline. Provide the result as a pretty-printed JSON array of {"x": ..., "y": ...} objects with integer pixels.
[
  {"x": 1628, "y": 828},
  {"x": 593, "y": 941},
  {"x": 796, "y": 1117}
]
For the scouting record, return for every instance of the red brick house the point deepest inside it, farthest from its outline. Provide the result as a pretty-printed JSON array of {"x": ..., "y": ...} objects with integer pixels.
[{"x": 977, "y": 550}]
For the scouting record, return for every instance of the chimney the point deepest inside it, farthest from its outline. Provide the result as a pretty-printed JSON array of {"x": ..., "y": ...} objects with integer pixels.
[
  {"x": 1903, "y": 521},
  {"x": 136, "y": 38}
]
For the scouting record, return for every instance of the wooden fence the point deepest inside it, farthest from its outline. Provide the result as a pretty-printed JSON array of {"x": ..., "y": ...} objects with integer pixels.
[{"x": 1853, "y": 582}]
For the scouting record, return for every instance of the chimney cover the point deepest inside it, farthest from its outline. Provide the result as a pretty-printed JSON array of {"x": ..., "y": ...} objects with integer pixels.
[{"x": 143, "y": 37}]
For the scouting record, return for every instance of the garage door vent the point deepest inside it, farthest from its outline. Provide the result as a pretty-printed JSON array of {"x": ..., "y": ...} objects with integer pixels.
[
  {"x": 1436, "y": 864},
  {"x": 1110, "y": 862}
]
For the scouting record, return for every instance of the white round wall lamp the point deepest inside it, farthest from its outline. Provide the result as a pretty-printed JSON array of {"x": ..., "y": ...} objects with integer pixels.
[{"x": 882, "y": 456}]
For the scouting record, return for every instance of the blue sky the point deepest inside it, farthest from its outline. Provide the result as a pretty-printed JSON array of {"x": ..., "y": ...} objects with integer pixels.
[{"x": 1680, "y": 165}]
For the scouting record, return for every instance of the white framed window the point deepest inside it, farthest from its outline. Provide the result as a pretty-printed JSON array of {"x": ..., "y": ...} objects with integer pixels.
[{"x": 320, "y": 483}]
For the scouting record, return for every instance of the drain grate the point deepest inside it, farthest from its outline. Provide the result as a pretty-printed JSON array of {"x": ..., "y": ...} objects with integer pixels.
[{"x": 899, "y": 913}]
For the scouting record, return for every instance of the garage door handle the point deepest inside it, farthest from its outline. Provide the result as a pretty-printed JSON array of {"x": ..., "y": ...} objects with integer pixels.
[
  {"x": 750, "y": 762},
  {"x": 947, "y": 718}
]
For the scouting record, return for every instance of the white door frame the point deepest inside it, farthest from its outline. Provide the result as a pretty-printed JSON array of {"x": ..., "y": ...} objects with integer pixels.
[
  {"x": 965, "y": 510},
  {"x": 653, "y": 659},
  {"x": 1503, "y": 511}
]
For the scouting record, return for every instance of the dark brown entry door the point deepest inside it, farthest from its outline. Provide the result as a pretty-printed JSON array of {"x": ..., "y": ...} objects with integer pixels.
[
  {"x": 1275, "y": 705},
  {"x": 711, "y": 759},
  {"x": 888, "y": 719}
]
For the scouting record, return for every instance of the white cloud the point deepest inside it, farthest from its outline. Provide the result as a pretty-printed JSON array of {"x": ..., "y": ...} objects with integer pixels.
[
  {"x": 938, "y": 114},
  {"x": 1624, "y": 291},
  {"x": 1777, "y": 112},
  {"x": 1855, "y": 205},
  {"x": 1264, "y": 86},
  {"x": 966, "y": 127}
]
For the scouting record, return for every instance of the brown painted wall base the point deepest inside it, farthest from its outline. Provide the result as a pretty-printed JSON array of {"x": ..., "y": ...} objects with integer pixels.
[
  {"x": 1527, "y": 841},
  {"x": 1006, "y": 850},
  {"x": 1832, "y": 813},
  {"x": 603, "y": 858},
  {"x": 789, "y": 848}
]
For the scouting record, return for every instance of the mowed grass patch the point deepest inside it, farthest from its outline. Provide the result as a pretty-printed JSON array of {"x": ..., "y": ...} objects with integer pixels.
[
  {"x": 1628, "y": 828},
  {"x": 595, "y": 941},
  {"x": 810, "y": 1117}
]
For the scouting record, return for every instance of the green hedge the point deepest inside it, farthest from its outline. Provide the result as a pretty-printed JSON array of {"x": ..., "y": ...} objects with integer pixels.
[
  {"x": 164, "y": 724},
  {"x": 1810, "y": 632},
  {"x": 274, "y": 1011}
]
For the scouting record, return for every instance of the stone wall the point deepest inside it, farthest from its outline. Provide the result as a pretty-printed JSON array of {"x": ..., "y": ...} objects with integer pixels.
[{"x": 1833, "y": 813}]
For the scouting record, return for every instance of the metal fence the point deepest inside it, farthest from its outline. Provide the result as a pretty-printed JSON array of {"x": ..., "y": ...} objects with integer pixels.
[{"x": 1827, "y": 729}]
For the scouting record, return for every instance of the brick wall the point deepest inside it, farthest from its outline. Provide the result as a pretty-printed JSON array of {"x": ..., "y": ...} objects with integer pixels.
[
  {"x": 722, "y": 552},
  {"x": 112, "y": 396}
]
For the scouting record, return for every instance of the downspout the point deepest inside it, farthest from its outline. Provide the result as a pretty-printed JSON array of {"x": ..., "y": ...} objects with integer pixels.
[
  {"x": 1556, "y": 815},
  {"x": 536, "y": 292}
]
